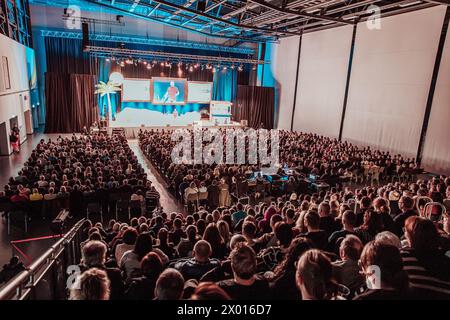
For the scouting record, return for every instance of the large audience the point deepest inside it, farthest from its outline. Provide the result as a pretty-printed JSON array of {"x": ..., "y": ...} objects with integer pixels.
[{"x": 361, "y": 242}]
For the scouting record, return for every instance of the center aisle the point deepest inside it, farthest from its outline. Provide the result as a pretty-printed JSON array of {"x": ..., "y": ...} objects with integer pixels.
[{"x": 168, "y": 201}]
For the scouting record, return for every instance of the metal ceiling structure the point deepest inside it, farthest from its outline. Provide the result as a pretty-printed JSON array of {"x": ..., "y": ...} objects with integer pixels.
[
  {"x": 251, "y": 20},
  {"x": 261, "y": 20}
]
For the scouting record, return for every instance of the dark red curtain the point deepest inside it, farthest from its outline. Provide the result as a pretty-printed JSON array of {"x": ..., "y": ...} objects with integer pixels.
[
  {"x": 256, "y": 105},
  {"x": 70, "y": 101}
]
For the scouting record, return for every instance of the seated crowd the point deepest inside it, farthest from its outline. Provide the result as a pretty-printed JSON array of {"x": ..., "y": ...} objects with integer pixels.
[
  {"x": 313, "y": 248},
  {"x": 71, "y": 172},
  {"x": 305, "y": 154}
]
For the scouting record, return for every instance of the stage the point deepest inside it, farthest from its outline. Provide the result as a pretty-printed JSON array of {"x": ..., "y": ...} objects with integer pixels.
[{"x": 132, "y": 122}]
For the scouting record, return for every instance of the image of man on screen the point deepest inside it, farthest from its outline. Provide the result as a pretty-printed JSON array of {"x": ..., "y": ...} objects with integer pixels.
[{"x": 171, "y": 94}]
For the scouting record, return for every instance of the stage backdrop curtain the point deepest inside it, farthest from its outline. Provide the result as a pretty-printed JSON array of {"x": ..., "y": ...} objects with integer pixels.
[
  {"x": 71, "y": 103},
  {"x": 225, "y": 84},
  {"x": 255, "y": 104}
]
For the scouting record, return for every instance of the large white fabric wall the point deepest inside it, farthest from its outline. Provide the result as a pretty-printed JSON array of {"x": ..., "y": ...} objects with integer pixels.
[
  {"x": 284, "y": 69},
  {"x": 436, "y": 156},
  {"x": 323, "y": 71},
  {"x": 390, "y": 80}
]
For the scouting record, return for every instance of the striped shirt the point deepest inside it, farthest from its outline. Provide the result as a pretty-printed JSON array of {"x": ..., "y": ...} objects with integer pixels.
[{"x": 426, "y": 283}]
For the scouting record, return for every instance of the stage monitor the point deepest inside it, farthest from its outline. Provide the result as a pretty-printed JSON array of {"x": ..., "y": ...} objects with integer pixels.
[
  {"x": 199, "y": 92},
  {"x": 136, "y": 90},
  {"x": 170, "y": 91}
]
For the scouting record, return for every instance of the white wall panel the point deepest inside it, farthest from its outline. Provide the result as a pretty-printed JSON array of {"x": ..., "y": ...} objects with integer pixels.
[
  {"x": 390, "y": 81},
  {"x": 323, "y": 71},
  {"x": 284, "y": 69},
  {"x": 436, "y": 155}
]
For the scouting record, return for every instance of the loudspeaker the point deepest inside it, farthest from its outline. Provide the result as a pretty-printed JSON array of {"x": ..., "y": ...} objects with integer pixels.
[
  {"x": 85, "y": 29},
  {"x": 201, "y": 5}
]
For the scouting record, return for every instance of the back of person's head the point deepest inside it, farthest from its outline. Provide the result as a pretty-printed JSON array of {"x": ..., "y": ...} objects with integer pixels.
[
  {"x": 421, "y": 234},
  {"x": 314, "y": 276},
  {"x": 209, "y": 291},
  {"x": 351, "y": 248},
  {"x": 283, "y": 233},
  {"x": 93, "y": 253},
  {"x": 249, "y": 229},
  {"x": 191, "y": 232},
  {"x": 170, "y": 285},
  {"x": 240, "y": 206},
  {"x": 349, "y": 218},
  {"x": 177, "y": 223},
  {"x": 243, "y": 261},
  {"x": 387, "y": 259},
  {"x": 388, "y": 237},
  {"x": 365, "y": 202},
  {"x": 406, "y": 203},
  {"x": 151, "y": 265},
  {"x": 143, "y": 245},
  {"x": 202, "y": 250},
  {"x": 312, "y": 219},
  {"x": 130, "y": 236},
  {"x": 235, "y": 239},
  {"x": 93, "y": 284},
  {"x": 324, "y": 209}
]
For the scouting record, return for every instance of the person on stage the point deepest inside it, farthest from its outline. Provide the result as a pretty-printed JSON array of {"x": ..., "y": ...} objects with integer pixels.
[{"x": 171, "y": 94}]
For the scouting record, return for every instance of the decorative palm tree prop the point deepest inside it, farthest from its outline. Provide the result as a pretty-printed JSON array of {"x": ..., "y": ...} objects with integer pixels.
[{"x": 108, "y": 88}]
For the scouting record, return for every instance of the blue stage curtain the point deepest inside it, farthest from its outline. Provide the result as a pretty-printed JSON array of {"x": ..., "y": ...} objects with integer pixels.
[{"x": 225, "y": 85}]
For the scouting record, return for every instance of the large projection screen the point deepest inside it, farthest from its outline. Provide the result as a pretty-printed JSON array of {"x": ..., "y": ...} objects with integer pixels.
[
  {"x": 171, "y": 91},
  {"x": 436, "y": 155},
  {"x": 322, "y": 78},
  {"x": 136, "y": 90},
  {"x": 284, "y": 68},
  {"x": 199, "y": 92},
  {"x": 390, "y": 80}
]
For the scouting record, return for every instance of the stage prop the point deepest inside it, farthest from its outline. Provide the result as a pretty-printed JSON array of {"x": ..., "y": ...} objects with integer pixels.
[{"x": 220, "y": 112}]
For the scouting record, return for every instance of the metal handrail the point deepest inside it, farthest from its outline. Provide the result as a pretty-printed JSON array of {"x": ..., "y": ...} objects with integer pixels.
[{"x": 19, "y": 287}]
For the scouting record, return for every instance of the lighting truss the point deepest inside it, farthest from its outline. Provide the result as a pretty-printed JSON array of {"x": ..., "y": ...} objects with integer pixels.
[
  {"x": 141, "y": 54},
  {"x": 92, "y": 20},
  {"x": 147, "y": 41}
]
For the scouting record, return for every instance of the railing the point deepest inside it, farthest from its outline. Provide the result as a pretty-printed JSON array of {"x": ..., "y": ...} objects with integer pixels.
[{"x": 45, "y": 278}]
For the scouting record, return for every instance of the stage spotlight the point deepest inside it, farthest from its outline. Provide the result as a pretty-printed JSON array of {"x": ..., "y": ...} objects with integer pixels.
[
  {"x": 145, "y": 62},
  {"x": 196, "y": 65},
  {"x": 191, "y": 68},
  {"x": 113, "y": 58},
  {"x": 232, "y": 67},
  {"x": 107, "y": 60},
  {"x": 240, "y": 68},
  {"x": 254, "y": 67},
  {"x": 122, "y": 64},
  {"x": 129, "y": 61},
  {"x": 224, "y": 68},
  {"x": 155, "y": 62},
  {"x": 149, "y": 66},
  {"x": 179, "y": 64},
  {"x": 213, "y": 69},
  {"x": 162, "y": 64},
  {"x": 117, "y": 77}
]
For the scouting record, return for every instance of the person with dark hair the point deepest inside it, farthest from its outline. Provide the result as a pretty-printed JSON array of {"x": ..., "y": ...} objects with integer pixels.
[
  {"x": 427, "y": 265},
  {"x": 239, "y": 215},
  {"x": 327, "y": 221},
  {"x": 164, "y": 245},
  {"x": 200, "y": 264},
  {"x": 212, "y": 235},
  {"x": 209, "y": 291},
  {"x": 143, "y": 287},
  {"x": 364, "y": 204},
  {"x": 348, "y": 227},
  {"x": 269, "y": 258},
  {"x": 129, "y": 239},
  {"x": 406, "y": 205},
  {"x": 346, "y": 270},
  {"x": 314, "y": 277},
  {"x": 315, "y": 234},
  {"x": 282, "y": 284},
  {"x": 372, "y": 225},
  {"x": 245, "y": 285},
  {"x": 131, "y": 260},
  {"x": 170, "y": 285},
  {"x": 11, "y": 269},
  {"x": 383, "y": 268},
  {"x": 185, "y": 247},
  {"x": 177, "y": 233}
]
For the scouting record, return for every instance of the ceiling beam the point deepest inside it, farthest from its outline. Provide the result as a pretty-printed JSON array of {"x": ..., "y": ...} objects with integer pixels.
[
  {"x": 267, "y": 5},
  {"x": 443, "y": 2}
]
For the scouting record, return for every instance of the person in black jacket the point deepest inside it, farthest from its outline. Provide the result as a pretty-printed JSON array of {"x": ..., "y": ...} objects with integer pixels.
[{"x": 143, "y": 288}]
